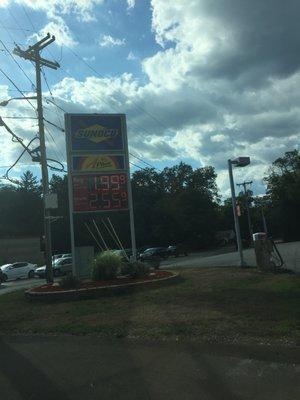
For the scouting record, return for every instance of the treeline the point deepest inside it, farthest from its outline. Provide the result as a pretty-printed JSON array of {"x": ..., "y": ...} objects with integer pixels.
[{"x": 178, "y": 205}]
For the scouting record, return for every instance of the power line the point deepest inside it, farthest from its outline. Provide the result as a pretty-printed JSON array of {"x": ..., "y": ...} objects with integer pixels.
[
  {"x": 12, "y": 82},
  {"x": 137, "y": 166},
  {"x": 9, "y": 117},
  {"x": 16, "y": 29},
  {"x": 100, "y": 75},
  {"x": 126, "y": 97},
  {"x": 145, "y": 162},
  {"x": 16, "y": 62}
]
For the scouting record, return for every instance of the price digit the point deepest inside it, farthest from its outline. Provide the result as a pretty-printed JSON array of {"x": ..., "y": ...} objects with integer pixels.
[
  {"x": 116, "y": 198},
  {"x": 115, "y": 180},
  {"x": 105, "y": 199}
]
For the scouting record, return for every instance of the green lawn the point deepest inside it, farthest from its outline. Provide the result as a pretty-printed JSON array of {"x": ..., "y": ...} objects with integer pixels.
[{"x": 223, "y": 304}]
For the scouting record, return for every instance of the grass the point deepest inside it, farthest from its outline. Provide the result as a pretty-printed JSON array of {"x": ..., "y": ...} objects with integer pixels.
[{"x": 222, "y": 304}]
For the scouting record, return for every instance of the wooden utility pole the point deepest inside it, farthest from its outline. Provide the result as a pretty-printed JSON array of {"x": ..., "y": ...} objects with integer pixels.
[{"x": 33, "y": 54}]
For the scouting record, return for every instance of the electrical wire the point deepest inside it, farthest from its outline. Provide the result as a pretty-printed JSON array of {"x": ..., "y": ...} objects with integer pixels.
[
  {"x": 100, "y": 75},
  {"x": 16, "y": 62},
  {"x": 26, "y": 149},
  {"x": 21, "y": 93}
]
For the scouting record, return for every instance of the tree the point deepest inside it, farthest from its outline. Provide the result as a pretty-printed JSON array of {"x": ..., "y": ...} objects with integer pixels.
[
  {"x": 29, "y": 183},
  {"x": 283, "y": 188},
  {"x": 176, "y": 205}
]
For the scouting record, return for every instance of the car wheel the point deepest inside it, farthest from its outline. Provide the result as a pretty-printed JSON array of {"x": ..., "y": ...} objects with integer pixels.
[
  {"x": 30, "y": 274},
  {"x": 4, "y": 277}
]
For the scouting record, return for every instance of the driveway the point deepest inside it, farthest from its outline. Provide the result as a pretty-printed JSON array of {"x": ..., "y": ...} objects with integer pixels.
[
  {"x": 290, "y": 253},
  {"x": 12, "y": 286},
  {"x": 91, "y": 368}
]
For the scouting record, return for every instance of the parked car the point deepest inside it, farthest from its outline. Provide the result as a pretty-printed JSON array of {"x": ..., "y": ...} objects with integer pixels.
[
  {"x": 177, "y": 250},
  {"x": 62, "y": 266},
  {"x": 1, "y": 277},
  {"x": 154, "y": 253},
  {"x": 17, "y": 270},
  {"x": 58, "y": 256},
  {"x": 124, "y": 254}
]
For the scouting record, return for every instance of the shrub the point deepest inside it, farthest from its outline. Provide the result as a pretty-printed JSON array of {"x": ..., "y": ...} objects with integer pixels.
[
  {"x": 135, "y": 269},
  {"x": 105, "y": 266},
  {"x": 69, "y": 282}
]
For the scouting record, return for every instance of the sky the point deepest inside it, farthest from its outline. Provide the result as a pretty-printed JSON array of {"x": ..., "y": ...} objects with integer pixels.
[{"x": 200, "y": 81}]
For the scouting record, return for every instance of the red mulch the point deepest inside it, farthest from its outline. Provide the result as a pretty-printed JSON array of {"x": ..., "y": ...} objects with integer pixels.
[{"x": 97, "y": 284}]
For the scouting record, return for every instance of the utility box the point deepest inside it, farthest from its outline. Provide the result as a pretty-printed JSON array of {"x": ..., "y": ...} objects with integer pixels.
[
  {"x": 84, "y": 255},
  {"x": 263, "y": 249}
]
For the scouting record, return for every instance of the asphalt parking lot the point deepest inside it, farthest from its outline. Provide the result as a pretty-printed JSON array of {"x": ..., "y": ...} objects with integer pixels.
[
  {"x": 12, "y": 286},
  {"x": 225, "y": 256}
]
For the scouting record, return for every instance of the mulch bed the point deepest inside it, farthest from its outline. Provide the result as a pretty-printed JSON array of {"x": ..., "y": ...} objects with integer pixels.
[{"x": 101, "y": 284}]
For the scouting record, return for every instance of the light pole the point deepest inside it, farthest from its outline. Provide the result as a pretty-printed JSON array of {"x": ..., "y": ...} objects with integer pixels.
[
  {"x": 5, "y": 102},
  {"x": 238, "y": 162},
  {"x": 244, "y": 184}
]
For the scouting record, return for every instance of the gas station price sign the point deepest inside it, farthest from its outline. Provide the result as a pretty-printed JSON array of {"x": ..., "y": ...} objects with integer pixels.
[{"x": 105, "y": 192}]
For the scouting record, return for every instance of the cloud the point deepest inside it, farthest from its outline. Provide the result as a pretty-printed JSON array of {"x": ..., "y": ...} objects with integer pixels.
[
  {"x": 130, "y": 4},
  {"x": 224, "y": 83},
  {"x": 83, "y": 9},
  {"x": 109, "y": 41},
  {"x": 60, "y": 30},
  {"x": 131, "y": 56}
]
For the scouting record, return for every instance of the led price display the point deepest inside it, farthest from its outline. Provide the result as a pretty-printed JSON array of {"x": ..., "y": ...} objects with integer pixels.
[{"x": 103, "y": 192}]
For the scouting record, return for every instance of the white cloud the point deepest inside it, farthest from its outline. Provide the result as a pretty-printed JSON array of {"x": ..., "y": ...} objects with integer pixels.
[
  {"x": 83, "y": 9},
  {"x": 131, "y": 56},
  {"x": 60, "y": 30},
  {"x": 109, "y": 41},
  {"x": 130, "y": 4}
]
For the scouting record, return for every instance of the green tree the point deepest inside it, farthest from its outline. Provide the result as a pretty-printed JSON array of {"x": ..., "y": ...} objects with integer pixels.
[{"x": 283, "y": 189}]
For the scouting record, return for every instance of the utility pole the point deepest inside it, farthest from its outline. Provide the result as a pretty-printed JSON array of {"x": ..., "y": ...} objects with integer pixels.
[
  {"x": 244, "y": 184},
  {"x": 33, "y": 54}
]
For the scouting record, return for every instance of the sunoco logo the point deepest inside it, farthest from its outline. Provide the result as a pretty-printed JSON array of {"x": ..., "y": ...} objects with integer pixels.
[{"x": 96, "y": 133}]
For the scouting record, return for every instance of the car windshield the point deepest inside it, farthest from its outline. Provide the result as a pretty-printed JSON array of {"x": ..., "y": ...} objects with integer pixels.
[{"x": 6, "y": 265}]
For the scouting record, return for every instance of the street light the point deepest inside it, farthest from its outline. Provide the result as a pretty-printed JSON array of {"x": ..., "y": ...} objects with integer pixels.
[
  {"x": 238, "y": 162},
  {"x": 5, "y": 102}
]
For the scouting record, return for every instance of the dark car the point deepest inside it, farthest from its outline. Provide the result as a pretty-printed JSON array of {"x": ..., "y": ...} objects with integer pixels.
[
  {"x": 154, "y": 253},
  {"x": 176, "y": 251},
  {"x": 1, "y": 277}
]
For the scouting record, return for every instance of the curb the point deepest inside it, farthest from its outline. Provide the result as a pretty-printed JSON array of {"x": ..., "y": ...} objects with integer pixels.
[{"x": 85, "y": 293}]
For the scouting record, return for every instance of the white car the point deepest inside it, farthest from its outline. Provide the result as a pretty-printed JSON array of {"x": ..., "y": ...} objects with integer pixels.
[
  {"x": 58, "y": 256},
  {"x": 17, "y": 270},
  {"x": 61, "y": 266}
]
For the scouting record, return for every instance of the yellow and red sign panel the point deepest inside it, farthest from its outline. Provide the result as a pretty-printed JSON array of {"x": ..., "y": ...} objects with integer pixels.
[{"x": 98, "y": 162}]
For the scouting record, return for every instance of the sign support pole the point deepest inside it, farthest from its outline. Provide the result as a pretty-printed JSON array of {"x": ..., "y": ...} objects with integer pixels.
[
  {"x": 130, "y": 201},
  {"x": 71, "y": 213}
]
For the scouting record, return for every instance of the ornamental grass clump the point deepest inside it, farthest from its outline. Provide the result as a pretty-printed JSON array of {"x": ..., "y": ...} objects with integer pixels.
[{"x": 105, "y": 266}]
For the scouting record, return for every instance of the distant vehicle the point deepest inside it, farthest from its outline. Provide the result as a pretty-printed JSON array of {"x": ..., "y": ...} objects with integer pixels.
[
  {"x": 17, "y": 270},
  {"x": 154, "y": 253},
  {"x": 58, "y": 256},
  {"x": 176, "y": 251},
  {"x": 124, "y": 254},
  {"x": 61, "y": 266}
]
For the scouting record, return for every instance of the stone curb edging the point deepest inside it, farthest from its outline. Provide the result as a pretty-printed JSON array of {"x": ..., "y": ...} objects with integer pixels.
[{"x": 100, "y": 291}]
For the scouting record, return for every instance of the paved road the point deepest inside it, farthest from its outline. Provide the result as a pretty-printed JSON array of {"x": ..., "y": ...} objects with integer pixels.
[
  {"x": 12, "y": 286},
  {"x": 90, "y": 368},
  {"x": 290, "y": 253}
]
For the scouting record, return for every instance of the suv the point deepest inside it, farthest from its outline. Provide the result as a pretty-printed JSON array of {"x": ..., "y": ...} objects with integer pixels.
[{"x": 154, "y": 253}]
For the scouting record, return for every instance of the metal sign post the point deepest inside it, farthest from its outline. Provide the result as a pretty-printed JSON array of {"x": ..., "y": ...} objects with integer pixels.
[{"x": 98, "y": 168}]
